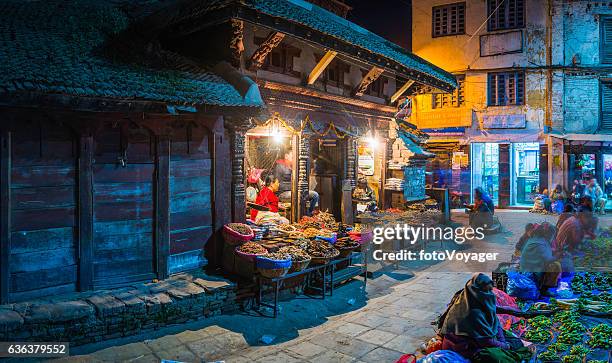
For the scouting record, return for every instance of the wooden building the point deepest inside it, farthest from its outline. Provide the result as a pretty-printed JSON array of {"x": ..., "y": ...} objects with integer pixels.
[
  {"x": 114, "y": 150},
  {"x": 123, "y": 125}
]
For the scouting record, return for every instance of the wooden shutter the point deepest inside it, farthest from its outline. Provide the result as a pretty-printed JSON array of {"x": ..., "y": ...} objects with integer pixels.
[
  {"x": 606, "y": 41},
  {"x": 606, "y": 106}
]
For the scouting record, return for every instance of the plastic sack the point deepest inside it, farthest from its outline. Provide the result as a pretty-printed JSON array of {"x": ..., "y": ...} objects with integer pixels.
[
  {"x": 443, "y": 356},
  {"x": 521, "y": 286}
]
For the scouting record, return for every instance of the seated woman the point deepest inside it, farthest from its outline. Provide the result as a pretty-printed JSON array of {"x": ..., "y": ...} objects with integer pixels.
[
  {"x": 365, "y": 195},
  {"x": 481, "y": 213},
  {"x": 529, "y": 229},
  {"x": 470, "y": 322},
  {"x": 267, "y": 196},
  {"x": 537, "y": 257},
  {"x": 557, "y": 197}
]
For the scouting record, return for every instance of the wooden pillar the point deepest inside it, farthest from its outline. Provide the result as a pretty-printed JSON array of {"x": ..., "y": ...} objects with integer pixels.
[
  {"x": 162, "y": 206},
  {"x": 504, "y": 175},
  {"x": 351, "y": 161},
  {"x": 85, "y": 212},
  {"x": 303, "y": 168},
  {"x": 237, "y": 134},
  {"x": 543, "y": 172},
  {"x": 5, "y": 215},
  {"x": 222, "y": 192}
]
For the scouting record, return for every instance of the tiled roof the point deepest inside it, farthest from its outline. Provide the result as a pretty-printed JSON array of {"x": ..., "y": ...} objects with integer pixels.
[
  {"x": 58, "y": 46},
  {"x": 307, "y": 14}
]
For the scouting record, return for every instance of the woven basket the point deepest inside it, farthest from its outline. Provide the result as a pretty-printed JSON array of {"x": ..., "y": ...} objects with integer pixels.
[
  {"x": 345, "y": 251},
  {"x": 246, "y": 256},
  {"x": 272, "y": 268},
  {"x": 272, "y": 273},
  {"x": 234, "y": 238},
  {"x": 297, "y": 266},
  {"x": 323, "y": 260}
]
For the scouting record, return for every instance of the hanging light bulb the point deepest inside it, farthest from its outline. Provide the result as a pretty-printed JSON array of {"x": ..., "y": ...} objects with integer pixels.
[
  {"x": 276, "y": 134},
  {"x": 372, "y": 141}
]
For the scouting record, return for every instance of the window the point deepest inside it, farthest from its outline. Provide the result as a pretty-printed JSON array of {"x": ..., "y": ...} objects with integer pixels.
[
  {"x": 455, "y": 99},
  {"x": 606, "y": 40},
  {"x": 606, "y": 106},
  {"x": 506, "y": 88},
  {"x": 448, "y": 20},
  {"x": 334, "y": 73},
  {"x": 280, "y": 59},
  {"x": 505, "y": 14}
]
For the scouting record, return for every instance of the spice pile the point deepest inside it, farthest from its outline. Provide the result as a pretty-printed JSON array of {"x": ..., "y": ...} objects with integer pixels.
[
  {"x": 276, "y": 256},
  {"x": 417, "y": 217},
  {"x": 296, "y": 253},
  {"x": 240, "y": 228},
  {"x": 321, "y": 249},
  {"x": 252, "y": 248},
  {"x": 345, "y": 242}
]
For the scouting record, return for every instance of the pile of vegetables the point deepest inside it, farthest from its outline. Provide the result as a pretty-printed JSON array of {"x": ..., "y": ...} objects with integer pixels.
[
  {"x": 539, "y": 329},
  {"x": 601, "y": 336}
]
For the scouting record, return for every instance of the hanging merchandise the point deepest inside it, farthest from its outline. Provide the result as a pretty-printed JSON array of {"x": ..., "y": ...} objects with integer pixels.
[{"x": 277, "y": 119}]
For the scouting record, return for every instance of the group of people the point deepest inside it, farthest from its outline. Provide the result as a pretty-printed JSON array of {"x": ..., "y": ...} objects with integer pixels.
[{"x": 584, "y": 193}]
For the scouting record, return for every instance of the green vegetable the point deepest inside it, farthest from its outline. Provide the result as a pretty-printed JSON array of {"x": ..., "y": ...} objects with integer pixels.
[
  {"x": 601, "y": 336},
  {"x": 571, "y": 359},
  {"x": 548, "y": 356},
  {"x": 580, "y": 350}
]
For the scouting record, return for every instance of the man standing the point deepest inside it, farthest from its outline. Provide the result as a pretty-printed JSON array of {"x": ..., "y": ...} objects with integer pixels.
[
  {"x": 283, "y": 171},
  {"x": 594, "y": 191}
]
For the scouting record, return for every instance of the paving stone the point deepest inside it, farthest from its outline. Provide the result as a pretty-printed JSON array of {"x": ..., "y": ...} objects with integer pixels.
[
  {"x": 279, "y": 357},
  {"x": 132, "y": 303},
  {"x": 404, "y": 343},
  {"x": 305, "y": 350},
  {"x": 343, "y": 343},
  {"x": 131, "y": 351},
  {"x": 10, "y": 320},
  {"x": 377, "y": 337},
  {"x": 183, "y": 355},
  {"x": 351, "y": 329},
  {"x": 211, "y": 285},
  {"x": 184, "y": 290},
  {"x": 332, "y": 356},
  {"x": 167, "y": 342},
  {"x": 147, "y": 358},
  {"x": 207, "y": 349},
  {"x": 106, "y": 305},
  {"x": 231, "y": 341},
  {"x": 381, "y": 354},
  {"x": 189, "y": 336}
]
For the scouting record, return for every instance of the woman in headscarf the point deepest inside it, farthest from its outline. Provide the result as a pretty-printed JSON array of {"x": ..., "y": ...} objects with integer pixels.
[
  {"x": 481, "y": 213},
  {"x": 470, "y": 322},
  {"x": 537, "y": 257}
]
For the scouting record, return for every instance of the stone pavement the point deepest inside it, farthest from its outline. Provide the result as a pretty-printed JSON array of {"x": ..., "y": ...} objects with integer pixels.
[{"x": 392, "y": 319}]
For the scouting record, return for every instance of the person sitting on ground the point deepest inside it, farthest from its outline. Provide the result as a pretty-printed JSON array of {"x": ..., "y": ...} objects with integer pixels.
[
  {"x": 267, "y": 196},
  {"x": 577, "y": 190},
  {"x": 573, "y": 230},
  {"x": 470, "y": 322},
  {"x": 537, "y": 257},
  {"x": 529, "y": 228},
  {"x": 481, "y": 213},
  {"x": 557, "y": 197},
  {"x": 365, "y": 195},
  {"x": 568, "y": 211},
  {"x": 598, "y": 198}
]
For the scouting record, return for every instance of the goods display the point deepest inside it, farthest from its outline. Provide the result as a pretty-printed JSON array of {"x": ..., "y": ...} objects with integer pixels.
[
  {"x": 295, "y": 253},
  {"x": 273, "y": 264},
  {"x": 237, "y": 233},
  {"x": 321, "y": 251},
  {"x": 252, "y": 248}
]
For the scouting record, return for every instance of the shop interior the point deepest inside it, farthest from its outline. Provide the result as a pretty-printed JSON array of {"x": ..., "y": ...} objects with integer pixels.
[
  {"x": 607, "y": 177},
  {"x": 525, "y": 173},
  {"x": 485, "y": 169}
]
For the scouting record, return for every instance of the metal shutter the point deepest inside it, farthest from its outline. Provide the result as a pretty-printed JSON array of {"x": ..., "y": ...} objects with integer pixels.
[
  {"x": 606, "y": 106},
  {"x": 606, "y": 41}
]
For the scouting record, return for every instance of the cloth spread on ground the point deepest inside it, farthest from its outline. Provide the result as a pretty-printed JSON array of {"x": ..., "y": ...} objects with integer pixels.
[{"x": 497, "y": 355}]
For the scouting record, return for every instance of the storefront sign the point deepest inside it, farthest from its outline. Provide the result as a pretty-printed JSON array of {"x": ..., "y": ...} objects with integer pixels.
[{"x": 504, "y": 121}]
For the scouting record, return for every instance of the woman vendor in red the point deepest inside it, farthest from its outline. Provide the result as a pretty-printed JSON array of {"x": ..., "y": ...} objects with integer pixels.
[{"x": 267, "y": 197}]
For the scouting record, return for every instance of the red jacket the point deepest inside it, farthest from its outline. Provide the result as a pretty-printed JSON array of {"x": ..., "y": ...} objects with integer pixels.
[{"x": 266, "y": 198}]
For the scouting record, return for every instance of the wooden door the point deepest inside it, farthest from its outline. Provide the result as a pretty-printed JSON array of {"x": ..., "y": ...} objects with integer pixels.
[
  {"x": 42, "y": 257},
  {"x": 123, "y": 205},
  {"x": 190, "y": 196}
]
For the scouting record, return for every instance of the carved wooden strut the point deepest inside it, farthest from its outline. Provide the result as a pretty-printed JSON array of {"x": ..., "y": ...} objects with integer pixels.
[
  {"x": 258, "y": 58},
  {"x": 237, "y": 134},
  {"x": 367, "y": 80},
  {"x": 236, "y": 43},
  {"x": 303, "y": 172}
]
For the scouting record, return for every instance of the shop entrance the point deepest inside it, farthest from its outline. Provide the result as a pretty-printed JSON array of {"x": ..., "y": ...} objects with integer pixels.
[
  {"x": 525, "y": 172},
  {"x": 485, "y": 169},
  {"x": 607, "y": 179},
  {"x": 326, "y": 172}
]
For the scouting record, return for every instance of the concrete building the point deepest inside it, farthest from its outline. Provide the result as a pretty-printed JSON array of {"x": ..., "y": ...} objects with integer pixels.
[{"x": 534, "y": 104}]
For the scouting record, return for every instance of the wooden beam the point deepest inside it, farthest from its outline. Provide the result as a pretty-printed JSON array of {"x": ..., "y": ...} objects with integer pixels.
[
  {"x": 85, "y": 208},
  {"x": 401, "y": 91},
  {"x": 222, "y": 191},
  {"x": 320, "y": 67},
  {"x": 236, "y": 43},
  {"x": 162, "y": 206},
  {"x": 367, "y": 80},
  {"x": 258, "y": 58},
  {"x": 5, "y": 215}
]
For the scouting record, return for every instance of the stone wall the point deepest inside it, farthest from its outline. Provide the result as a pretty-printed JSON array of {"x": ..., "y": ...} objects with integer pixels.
[{"x": 101, "y": 315}]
